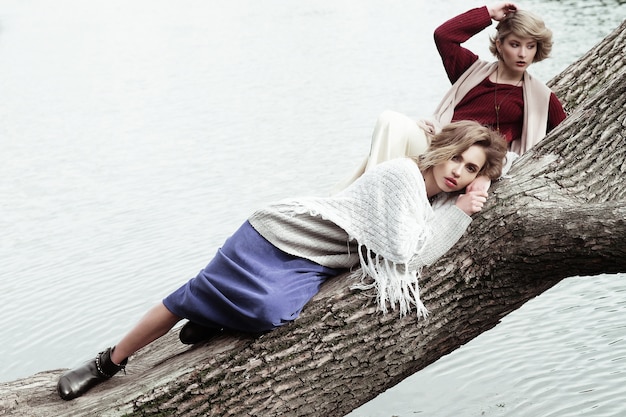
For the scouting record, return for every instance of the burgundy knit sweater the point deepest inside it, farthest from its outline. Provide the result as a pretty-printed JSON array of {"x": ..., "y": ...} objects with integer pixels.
[{"x": 479, "y": 103}]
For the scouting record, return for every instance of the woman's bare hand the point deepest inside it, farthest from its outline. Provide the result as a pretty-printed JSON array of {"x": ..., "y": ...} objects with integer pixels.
[
  {"x": 498, "y": 11},
  {"x": 481, "y": 183},
  {"x": 472, "y": 201}
]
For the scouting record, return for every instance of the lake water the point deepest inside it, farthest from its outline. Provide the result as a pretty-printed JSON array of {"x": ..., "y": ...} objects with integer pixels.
[{"x": 136, "y": 136}]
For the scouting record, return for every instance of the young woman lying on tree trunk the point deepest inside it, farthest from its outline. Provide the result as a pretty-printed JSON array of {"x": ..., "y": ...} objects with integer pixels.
[{"x": 392, "y": 221}]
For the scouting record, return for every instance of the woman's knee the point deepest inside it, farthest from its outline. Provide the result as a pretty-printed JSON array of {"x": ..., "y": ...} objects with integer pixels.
[{"x": 389, "y": 117}]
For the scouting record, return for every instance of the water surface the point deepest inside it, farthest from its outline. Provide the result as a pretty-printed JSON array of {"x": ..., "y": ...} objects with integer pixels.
[{"x": 136, "y": 136}]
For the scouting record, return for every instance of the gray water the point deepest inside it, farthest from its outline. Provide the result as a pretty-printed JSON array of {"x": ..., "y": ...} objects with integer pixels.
[{"x": 136, "y": 136}]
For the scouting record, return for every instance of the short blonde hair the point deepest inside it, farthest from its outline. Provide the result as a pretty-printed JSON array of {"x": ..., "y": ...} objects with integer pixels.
[
  {"x": 524, "y": 24},
  {"x": 455, "y": 138}
]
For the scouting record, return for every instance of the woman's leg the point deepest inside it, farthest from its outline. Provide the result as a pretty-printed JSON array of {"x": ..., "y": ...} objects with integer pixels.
[
  {"x": 395, "y": 136},
  {"x": 157, "y": 322},
  {"x": 153, "y": 325}
]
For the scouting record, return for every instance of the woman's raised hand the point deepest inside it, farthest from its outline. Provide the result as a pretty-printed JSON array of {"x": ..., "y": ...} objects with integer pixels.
[{"x": 498, "y": 11}]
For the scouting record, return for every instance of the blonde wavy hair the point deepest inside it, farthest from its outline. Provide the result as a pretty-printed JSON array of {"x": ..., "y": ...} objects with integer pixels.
[
  {"x": 524, "y": 24},
  {"x": 455, "y": 138}
]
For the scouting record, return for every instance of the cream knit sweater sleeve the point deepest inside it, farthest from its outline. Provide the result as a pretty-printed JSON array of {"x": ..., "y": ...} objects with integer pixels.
[{"x": 446, "y": 225}]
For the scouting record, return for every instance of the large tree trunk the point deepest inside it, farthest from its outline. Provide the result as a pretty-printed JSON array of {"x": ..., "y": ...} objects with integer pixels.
[{"x": 561, "y": 214}]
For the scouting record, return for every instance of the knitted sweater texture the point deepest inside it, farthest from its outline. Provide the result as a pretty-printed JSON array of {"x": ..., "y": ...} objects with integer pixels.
[{"x": 383, "y": 222}]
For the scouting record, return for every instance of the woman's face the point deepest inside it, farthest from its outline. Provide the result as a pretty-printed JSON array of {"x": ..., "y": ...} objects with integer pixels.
[
  {"x": 458, "y": 172},
  {"x": 517, "y": 53}
]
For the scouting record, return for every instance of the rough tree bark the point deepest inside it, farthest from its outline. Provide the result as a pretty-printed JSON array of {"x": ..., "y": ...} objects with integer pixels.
[{"x": 561, "y": 214}]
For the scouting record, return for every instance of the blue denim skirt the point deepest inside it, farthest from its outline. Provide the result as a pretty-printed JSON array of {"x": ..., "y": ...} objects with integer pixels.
[{"x": 250, "y": 285}]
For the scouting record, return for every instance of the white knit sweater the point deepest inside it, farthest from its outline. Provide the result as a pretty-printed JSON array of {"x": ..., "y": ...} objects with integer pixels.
[{"x": 383, "y": 221}]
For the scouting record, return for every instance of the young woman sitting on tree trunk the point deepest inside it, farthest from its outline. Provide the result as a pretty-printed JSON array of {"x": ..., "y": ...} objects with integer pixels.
[
  {"x": 395, "y": 219},
  {"x": 500, "y": 94}
]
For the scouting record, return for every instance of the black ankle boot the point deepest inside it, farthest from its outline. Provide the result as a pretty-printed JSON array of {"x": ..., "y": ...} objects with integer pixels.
[
  {"x": 193, "y": 333},
  {"x": 76, "y": 382}
]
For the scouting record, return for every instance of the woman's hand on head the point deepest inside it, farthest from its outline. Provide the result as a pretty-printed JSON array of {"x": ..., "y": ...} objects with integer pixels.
[
  {"x": 472, "y": 201},
  {"x": 481, "y": 183},
  {"x": 498, "y": 11}
]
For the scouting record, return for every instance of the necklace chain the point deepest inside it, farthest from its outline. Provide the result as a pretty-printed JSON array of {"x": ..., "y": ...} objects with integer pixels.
[{"x": 497, "y": 106}]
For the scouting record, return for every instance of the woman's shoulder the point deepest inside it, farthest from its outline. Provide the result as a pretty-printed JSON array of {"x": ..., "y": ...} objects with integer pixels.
[
  {"x": 401, "y": 164},
  {"x": 398, "y": 173},
  {"x": 536, "y": 82},
  {"x": 536, "y": 91}
]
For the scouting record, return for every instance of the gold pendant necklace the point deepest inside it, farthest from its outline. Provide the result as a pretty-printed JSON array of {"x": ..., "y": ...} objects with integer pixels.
[{"x": 497, "y": 106}]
